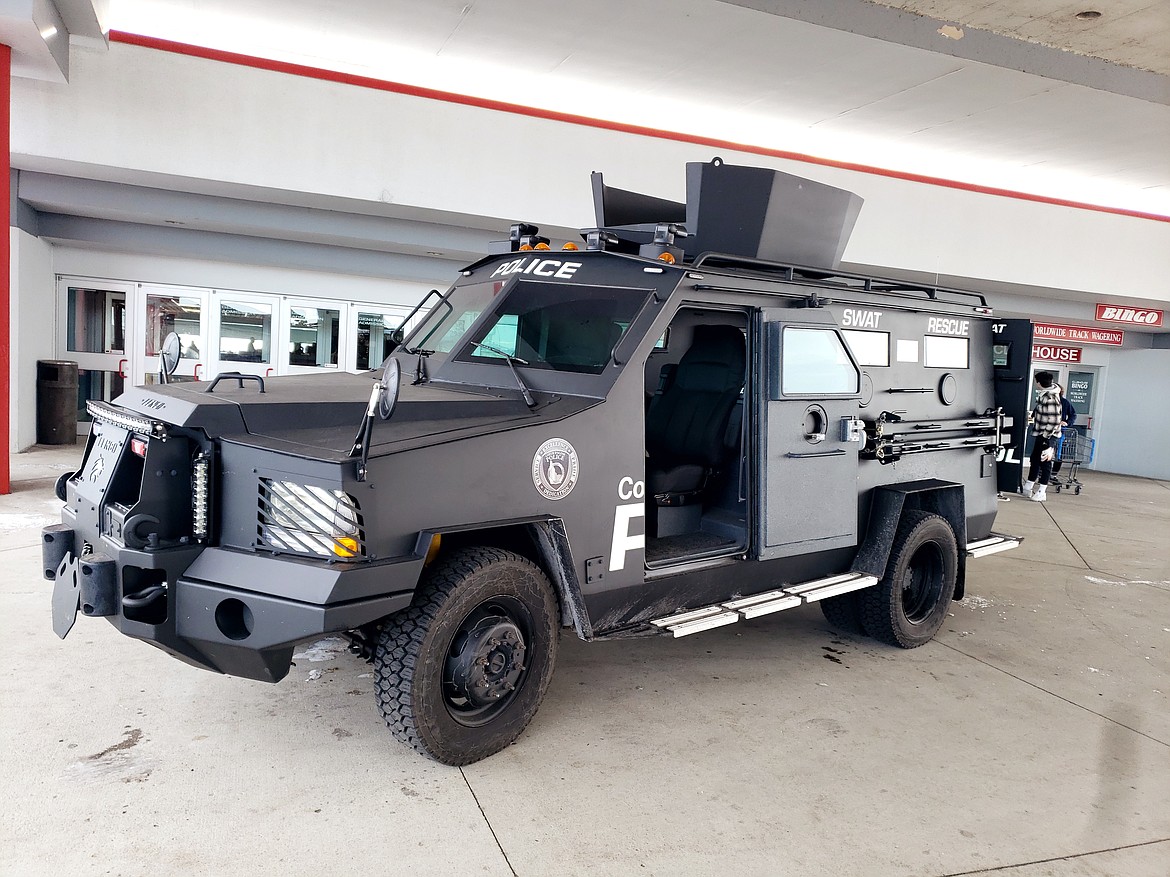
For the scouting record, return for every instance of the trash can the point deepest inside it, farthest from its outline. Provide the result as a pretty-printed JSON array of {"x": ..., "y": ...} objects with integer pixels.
[{"x": 56, "y": 402}]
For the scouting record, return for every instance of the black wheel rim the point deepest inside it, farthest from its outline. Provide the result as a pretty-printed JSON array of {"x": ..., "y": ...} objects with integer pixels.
[
  {"x": 923, "y": 583},
  {"x": 487, "y": 661}
]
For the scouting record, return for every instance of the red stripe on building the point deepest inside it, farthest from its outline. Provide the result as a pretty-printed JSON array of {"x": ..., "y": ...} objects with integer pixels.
[{"x": 571, "y": 119}]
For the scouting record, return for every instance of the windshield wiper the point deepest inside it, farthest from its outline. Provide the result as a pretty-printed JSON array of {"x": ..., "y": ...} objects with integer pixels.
[{"x": 512, "y": 360}]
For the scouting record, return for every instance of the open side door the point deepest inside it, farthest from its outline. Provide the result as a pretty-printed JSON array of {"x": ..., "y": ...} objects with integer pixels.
[
  {"x": 808, "y": 434},
  {"x": 1011, "y": 356}
]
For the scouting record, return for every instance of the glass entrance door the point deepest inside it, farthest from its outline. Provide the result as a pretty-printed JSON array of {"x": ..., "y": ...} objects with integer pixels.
[
  {"x": 163, "y": 310},
  {"x": 97, "y": 320},
  {"x": 310, "y": 336},
  {"x": 242, "y": 334},
  {"x": 371, "y": 329}
]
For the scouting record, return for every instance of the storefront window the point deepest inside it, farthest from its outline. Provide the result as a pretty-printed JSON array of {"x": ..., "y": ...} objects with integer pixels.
[
  {"x": 313, "y": 336},
  {"x": 245, "y": 332}
]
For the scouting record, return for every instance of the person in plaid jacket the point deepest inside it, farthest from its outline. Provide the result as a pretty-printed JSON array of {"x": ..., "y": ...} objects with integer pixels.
[{"x": 1045, "y": 418}]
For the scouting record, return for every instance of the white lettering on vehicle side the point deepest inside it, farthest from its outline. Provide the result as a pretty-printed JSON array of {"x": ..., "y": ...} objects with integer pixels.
[
  {"x": 622, "y": 540},
  {"x": 628, "y": 488},
  {"x": 855, "y": 319},
  {"x": 1007, "y": 455},
  {"x": 540, "y": 267},
  {"x": 947, "y": 326}
]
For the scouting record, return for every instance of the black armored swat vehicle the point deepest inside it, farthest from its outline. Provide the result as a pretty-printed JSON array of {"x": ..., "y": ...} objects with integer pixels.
[{"x": 669, "y": 428}]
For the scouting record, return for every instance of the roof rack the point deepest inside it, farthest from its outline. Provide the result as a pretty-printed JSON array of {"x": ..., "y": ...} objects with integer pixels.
[{"x": 833, "y": 279}]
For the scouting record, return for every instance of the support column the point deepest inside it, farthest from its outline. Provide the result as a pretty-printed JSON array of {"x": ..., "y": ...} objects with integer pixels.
[{"x": 6, "y": 279}]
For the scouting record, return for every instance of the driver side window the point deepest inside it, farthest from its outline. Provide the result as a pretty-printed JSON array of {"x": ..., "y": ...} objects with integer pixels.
[{"x": 814, "y": 361}]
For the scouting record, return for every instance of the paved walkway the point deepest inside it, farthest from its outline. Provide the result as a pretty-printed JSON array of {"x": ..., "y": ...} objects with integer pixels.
[{"x": 1032, "y": 737}]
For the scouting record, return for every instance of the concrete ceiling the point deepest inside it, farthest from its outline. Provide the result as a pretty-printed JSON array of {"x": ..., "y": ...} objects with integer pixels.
[{"x": 1128, "y": 33}]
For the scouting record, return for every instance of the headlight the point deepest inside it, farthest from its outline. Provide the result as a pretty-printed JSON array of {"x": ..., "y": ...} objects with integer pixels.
[
  {"x": 305, "y": 519},
  {"x": 200, "y": 475}
]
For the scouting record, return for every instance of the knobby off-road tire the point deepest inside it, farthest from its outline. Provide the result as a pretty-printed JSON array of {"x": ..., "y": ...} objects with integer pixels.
[
  {"x": 908, "y": 606},
  {"x": 461, "y": 673},
  {"x": 844, "y": 612}
]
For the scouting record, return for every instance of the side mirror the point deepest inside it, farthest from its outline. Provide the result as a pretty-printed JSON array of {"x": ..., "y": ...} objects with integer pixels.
[
  {"x": 168, "y": 357},
  {"x": 388, "y": 392}
]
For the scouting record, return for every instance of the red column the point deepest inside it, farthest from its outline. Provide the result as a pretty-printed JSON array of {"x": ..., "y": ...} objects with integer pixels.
[{"x": 5, "y": 269}]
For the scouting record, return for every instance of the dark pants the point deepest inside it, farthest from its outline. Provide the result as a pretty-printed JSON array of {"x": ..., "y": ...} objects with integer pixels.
[{"x": 1041, "y": 444}]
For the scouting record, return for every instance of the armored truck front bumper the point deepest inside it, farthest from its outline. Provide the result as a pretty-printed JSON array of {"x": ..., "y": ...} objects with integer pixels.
[{"x": 231, "y": 611}]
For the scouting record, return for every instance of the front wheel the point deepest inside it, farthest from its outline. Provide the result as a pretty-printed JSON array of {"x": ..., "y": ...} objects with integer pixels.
[
  {"x": 461, "y": 673},
  {"x": 908, "y": 606}
]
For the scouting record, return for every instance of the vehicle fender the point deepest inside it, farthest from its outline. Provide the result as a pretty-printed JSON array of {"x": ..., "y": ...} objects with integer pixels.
[
  {"x": 887, "y": 504},
  {"x": 556, "y": 556},
  {"x": 545, "y": 542}
]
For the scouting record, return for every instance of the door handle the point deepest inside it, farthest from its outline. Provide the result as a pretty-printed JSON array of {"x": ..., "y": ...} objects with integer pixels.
[
  {"x": 800, "y": 456},
  {"x": 122, "y": 368}
]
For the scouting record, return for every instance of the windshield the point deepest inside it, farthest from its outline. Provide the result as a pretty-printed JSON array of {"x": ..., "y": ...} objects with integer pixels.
[
  {"x": 558, "y": 326},
  {"x": 450, "y": 319}
]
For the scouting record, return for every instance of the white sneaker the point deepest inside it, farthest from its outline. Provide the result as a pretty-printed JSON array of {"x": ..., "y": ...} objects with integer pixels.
[
  {"x": 1038, "y": 496},
  {"x": 1027, "y": 488}
]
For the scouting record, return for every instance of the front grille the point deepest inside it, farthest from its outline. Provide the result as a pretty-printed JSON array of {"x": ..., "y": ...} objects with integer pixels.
[{"x": 304, "y": 519}]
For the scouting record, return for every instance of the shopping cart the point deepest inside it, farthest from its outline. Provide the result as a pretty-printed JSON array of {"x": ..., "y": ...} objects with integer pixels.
[{"x": 1072, "y": 448}]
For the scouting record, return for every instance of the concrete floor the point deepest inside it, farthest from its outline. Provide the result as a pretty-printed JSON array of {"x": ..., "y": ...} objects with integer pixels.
[{"x": 1032, "y": 737}]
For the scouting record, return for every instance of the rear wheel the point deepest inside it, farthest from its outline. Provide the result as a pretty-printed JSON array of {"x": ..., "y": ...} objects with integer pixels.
[
  {"x": 908, "y": 606},
  {"x": 462, "y": 672},
  {"x": 844, "y": 612}
]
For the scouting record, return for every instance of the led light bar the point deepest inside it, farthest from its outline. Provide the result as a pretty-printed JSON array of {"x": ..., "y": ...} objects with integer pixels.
[
  {"x": 107, "y": 413},
  {"x": 200, "y": 476}
]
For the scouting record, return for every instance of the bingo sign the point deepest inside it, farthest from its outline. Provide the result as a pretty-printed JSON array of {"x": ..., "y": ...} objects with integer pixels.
[
  {"x": 1080, "y": 391},
  {"x": 1133, "y": 316}
]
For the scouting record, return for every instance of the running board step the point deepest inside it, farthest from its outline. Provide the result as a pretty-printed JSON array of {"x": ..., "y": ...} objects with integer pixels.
[
  {"x": 994, "y": 543},
  {"x": 709, "y": 617},
  {"x": 832, "y": 586},
  {"x": 696, "y": 620}
]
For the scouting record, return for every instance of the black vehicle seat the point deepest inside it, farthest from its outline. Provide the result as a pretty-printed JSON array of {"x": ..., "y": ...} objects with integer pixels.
[{"x": 686, "y": 425}]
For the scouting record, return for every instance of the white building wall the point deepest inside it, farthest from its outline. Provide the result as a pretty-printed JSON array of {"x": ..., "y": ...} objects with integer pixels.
[
  {"x": 133, "y": 110},
  {"x": 167, "y": 270},
  {"x": 30, "y": 331},
  {"x": 1134, "y": 416}
]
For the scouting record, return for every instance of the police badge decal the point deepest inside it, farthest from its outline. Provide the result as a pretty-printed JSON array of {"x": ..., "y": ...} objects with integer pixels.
[{"x": 555, "y": 468}]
